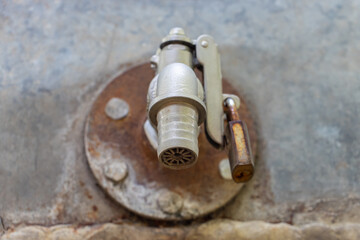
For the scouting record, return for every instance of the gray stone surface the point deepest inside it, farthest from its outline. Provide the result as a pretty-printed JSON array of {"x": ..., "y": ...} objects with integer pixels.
[{"x": 296, "y": 63}]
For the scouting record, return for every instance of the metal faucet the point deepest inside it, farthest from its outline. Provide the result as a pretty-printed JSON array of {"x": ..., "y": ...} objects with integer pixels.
[{"x": 178, "y": 103}]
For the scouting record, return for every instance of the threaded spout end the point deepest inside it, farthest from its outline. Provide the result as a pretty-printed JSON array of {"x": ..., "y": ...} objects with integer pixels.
[{"x": 178, "y": 135}]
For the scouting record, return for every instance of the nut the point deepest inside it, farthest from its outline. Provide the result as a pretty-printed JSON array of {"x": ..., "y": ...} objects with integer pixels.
[
  {"x": 170, "y": 202},
  {"x": 116, "y": 171},
  {"x": 117, "y": 108}
]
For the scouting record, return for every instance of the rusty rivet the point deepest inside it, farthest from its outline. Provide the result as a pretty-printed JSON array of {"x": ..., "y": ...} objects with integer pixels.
[
  {"x": 116, "y": 171},
  {"x": 224, "y": 169},
  {"x": 116, "y": 108},
  {"x": 170, "y": 202}
]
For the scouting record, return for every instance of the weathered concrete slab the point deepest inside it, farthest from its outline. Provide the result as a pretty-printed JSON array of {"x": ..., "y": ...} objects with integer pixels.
[{"x": 296, "y": 63}]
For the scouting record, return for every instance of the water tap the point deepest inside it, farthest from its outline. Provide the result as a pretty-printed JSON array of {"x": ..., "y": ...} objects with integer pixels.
[{"x": 178, "y": 103}]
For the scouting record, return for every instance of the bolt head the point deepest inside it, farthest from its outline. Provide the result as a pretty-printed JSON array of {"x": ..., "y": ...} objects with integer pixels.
[
  {"x": 116, "y": 171},
  {"x": 204, "y": 44},
  {"x": 170, "y": 202},
  {"x": 116, "y": 109}
]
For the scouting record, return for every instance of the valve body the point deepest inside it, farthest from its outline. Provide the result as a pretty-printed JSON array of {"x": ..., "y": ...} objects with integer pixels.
[{"x": 176, "y": 105}]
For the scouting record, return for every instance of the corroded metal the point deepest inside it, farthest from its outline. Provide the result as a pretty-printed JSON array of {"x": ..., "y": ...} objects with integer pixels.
[{"x": 201, "y": 187}]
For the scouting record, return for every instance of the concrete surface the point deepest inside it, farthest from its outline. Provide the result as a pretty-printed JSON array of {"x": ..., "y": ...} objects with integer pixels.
[{"x": 296, "y": 63}]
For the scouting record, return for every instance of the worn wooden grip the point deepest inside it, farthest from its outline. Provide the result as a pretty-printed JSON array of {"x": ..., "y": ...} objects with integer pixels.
[
  {"x": 239, "y": 151},
  {"x": 238, "y": 145}
]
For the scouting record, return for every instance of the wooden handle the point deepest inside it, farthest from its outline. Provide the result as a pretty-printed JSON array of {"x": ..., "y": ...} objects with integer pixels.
[{"x": 238, "y": 146}]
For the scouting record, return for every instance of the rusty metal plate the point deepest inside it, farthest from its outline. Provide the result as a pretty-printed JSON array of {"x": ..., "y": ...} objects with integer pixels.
[{"x": 127, "y": 168}]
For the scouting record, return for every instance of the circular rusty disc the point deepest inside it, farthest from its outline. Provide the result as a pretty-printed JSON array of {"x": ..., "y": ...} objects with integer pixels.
[{"x": 148, "y": 188}]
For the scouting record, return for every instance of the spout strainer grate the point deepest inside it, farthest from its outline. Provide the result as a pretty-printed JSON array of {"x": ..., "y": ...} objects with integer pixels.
[{"x": 178, "y": 158}]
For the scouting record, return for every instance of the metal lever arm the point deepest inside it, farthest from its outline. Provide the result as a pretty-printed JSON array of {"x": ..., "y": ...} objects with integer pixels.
[
  {"x": 238, "y": 144},
  {"x": 208, "y": 56}
]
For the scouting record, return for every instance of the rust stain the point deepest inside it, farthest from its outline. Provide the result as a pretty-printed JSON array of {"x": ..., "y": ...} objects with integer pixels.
[
  {"x": 88, "y": 195},
  {"x": 93, "y": 214},
  {"x": 93, "y": 152},
  {"x": 240, "y": 141},
  {"x": 59, "y": 208},
  {"x": 81, "y": 183}
]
